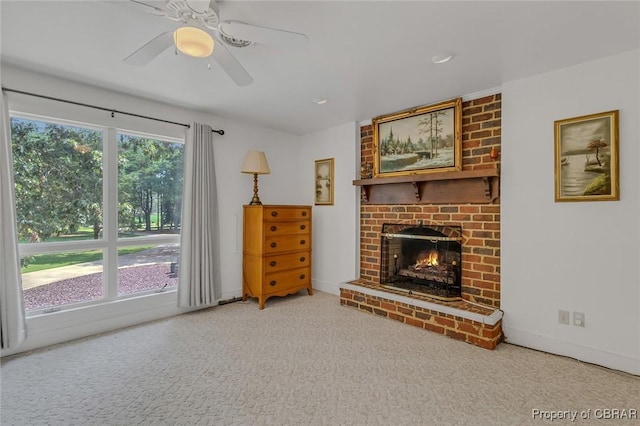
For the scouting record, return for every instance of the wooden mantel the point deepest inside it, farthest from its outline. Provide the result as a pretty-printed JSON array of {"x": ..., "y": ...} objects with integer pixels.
[{"x": 467, "y": 186}]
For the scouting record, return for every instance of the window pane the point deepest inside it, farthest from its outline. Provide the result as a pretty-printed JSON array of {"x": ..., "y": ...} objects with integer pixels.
[
  {"x": 58, "y": 181},
  {"x": 149, "y": 203},
  {"x": 147, "y": 267},
  {"x": 149, "y": 186},
  {"x": 54, "y": 279}
]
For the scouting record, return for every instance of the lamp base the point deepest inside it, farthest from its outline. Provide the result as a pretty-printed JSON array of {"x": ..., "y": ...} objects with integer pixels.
[{"x": 255, "y": 201}]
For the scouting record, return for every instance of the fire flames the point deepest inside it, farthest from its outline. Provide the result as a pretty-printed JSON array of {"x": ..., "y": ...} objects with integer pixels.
[{"x": 430, "y": 259}]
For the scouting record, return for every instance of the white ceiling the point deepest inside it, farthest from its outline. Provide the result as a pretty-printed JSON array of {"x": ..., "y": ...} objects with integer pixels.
[{"x": 366, "y": 57}]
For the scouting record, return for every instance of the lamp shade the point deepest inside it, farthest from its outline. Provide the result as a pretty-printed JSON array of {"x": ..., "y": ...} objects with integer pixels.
[
  {"x": 256, "y": 162},
  {"x": 193, "y": 41}
]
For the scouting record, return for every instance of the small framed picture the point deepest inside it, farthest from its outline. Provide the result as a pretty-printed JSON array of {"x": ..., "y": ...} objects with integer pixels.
[
  {"x": 324, "y": 182},
  {"x": 586, "y": 158}
]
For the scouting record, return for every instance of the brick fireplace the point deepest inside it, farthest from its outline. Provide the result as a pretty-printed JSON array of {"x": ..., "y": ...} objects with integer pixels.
[{"x": 474, "y": 317}]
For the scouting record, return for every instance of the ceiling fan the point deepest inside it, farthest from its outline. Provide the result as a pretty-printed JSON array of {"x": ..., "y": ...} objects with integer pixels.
[{"x": 200, "y": 24}]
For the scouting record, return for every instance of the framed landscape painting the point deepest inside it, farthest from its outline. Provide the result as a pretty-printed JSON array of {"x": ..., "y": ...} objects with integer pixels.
[
  {"x": 324, "y": 182},
  {"x": 425, "y": 139},
  {"x": 586, "y": 158}
]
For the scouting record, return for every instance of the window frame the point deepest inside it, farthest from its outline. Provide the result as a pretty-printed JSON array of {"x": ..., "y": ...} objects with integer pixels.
[{"x": 109, "y": 242}]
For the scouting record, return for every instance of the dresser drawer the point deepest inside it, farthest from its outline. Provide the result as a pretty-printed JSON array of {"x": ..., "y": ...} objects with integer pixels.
[
  {"x": 287, "y": 243},
  {"x": 287, "y": 279},
  {"x": 286, "y": 261},
  {"x": 284, "y": 228},
  {"x": 279, "y": 213}
]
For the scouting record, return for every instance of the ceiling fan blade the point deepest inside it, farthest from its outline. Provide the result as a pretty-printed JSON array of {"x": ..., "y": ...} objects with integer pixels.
[
  {"x": 198, "y": 6},
  {"x": 231, "y": 65},
  {"x": 264, "y": 35},
  {"x": 151, "y": 49},
  {"x": 157, "y": 10},
  {"x": 213, "y": 5}
]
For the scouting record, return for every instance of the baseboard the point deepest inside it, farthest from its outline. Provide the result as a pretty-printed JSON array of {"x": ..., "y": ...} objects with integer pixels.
[
  {"x": 231, "y": 294},
  {"x": 580, "y": 352},
  {"x": 326, "y": 287}
]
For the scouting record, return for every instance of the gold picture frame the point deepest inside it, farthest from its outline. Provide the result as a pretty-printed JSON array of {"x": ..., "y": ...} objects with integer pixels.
[
  {"x": 426, "y": 139},
  {"x": 324, "y": 172},
  {"x": 586, "y": 158}
]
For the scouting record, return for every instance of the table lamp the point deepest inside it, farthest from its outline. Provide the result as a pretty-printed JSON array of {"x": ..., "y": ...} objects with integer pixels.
[{"x": 255, "y": 163}]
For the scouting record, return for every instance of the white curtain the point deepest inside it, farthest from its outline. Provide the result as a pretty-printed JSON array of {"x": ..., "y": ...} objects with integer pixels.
[
  {"x": 199, "y": 273},
  {"x": 13, "y": 326}
]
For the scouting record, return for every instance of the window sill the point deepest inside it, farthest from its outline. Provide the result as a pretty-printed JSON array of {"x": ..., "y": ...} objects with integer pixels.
[{"x": 83, "y": 321}]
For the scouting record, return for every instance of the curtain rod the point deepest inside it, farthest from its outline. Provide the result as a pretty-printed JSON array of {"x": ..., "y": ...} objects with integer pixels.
[{"x": 111, "y": 110}]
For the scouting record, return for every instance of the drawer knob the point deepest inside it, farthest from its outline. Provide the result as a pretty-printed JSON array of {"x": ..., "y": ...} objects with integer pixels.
[
  {"x": 302, "y": 258},
  {"x": 273, "y": 245},
  {"x": 302, "y": 242},
  {"x": 274, "y": 228},
  {"x": 304, "y": 214},
  {"x": 272, "y": 283},
  {"x": 274, "y": 214},
  {"x": 272, "y": 263},
  {"x": 303, "y": 226},
  {"x": 302, "y": 276}
]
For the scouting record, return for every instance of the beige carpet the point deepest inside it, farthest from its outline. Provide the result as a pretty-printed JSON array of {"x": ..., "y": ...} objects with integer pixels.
[{"x": 302, "y": 360}]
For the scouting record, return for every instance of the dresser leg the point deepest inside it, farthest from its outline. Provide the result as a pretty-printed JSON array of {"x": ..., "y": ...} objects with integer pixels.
[
  {"x": 260, "y": 302},
  {"x": 310, "y": 291}
]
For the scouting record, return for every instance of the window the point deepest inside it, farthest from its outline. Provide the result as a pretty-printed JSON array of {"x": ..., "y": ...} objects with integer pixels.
[
  {"x": 98, "y": 212},
  {"x": 149, "y": 209}
]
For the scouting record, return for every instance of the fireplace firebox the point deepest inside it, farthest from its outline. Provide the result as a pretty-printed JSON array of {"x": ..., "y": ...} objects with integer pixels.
[{"x": 422, "y": 259}]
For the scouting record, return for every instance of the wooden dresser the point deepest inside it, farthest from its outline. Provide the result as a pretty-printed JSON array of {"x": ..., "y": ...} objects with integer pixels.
[{"x": 276, "y": 251}]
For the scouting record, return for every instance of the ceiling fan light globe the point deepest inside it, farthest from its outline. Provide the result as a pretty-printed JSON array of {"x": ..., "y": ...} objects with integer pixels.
[{"x": 193, "y": 41}]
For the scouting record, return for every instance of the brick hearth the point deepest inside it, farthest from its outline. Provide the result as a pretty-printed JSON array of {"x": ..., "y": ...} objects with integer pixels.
[
  {"x": 476, "y": 319},
  {"x": 460, "y": 320}
]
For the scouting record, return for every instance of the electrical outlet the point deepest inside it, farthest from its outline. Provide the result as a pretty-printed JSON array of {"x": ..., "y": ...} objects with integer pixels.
[
  {"x": 563, "y": 317},
  {"x": 578, "y": 319}
]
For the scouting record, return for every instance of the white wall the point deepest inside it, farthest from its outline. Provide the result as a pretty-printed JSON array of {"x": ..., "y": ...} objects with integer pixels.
[
  {"x": 575, "y": 256},
  {"x": 335, "y": 228},
  {"x": 234, "y": 189}
]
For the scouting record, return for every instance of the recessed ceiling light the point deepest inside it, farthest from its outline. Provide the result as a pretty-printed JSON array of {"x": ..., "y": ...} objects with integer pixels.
[
  {"x": 321, "y": 101},
  {"x": 441, "y": 58}
]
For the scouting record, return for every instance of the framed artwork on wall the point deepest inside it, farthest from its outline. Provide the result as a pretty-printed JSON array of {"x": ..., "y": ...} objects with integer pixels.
[
  {"x": 586, "y": 158},
  {"x": 324, "y": 182},
  {"x": 426, "y": 139}
]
